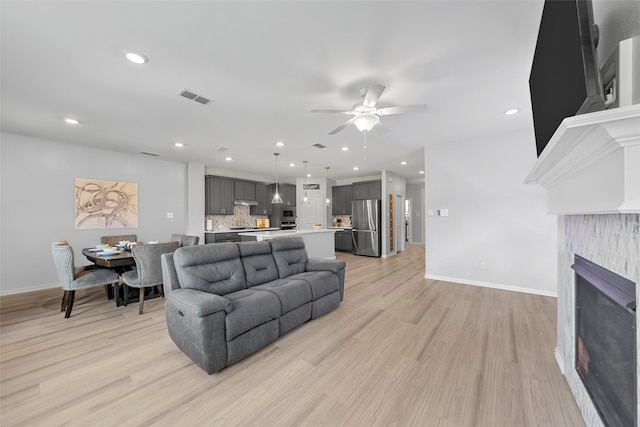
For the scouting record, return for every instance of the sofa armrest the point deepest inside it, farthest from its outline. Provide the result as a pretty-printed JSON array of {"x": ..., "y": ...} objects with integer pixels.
[
  {"x": 169, "y": 275},
  {"x": 320, "y": 264},
  {"x": 199, "y": 303}
]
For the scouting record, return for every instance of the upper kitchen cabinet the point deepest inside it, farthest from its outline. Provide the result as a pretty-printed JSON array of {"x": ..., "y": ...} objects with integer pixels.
[
  {"x": 264, "y": 200},
  {"x": 244, "y": 190},
  {"x": 287, "y": 193},
  {"x": 341, "y": 199},
  {"x": 367, "y": 190},
  {"x": 219, "y": 195}
]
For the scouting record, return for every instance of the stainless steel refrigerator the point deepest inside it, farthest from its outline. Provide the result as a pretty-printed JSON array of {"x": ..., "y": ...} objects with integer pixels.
[{"x": 365, "y": 220}]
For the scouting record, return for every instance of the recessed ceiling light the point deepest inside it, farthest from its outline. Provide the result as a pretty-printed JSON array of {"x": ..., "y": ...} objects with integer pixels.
[
  {"x": 280, "y": 144},
  {"x": 308, "y": 175},
  {"x": 228, "y": 159},
  {"x": 403, "y": 163},
  {"x": 136, "y": 57},
  {"x": 72, "y": 121},
  {"x": 512, "y": 111},
  {"x": 345, "y": 148},
  {"x": 178, "y": 144},
  {"x": 292, "y": 164},
  {"x": 421, "y": 172},
  {"x": 355, "y": 168}
]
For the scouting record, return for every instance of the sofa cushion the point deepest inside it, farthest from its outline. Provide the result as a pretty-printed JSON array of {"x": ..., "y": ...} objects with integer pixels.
[
  {"x": 250, "y": 308},
  {"x": 290, "y": 255},
  {"x": 291, "y": 293},
  {"x": 259, "y": 265},
  {"x": 322, "y": 282},
  {"x": 214, "y": 268}
]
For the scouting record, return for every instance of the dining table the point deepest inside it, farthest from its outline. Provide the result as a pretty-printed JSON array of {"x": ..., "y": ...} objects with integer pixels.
[{"x": 119, "y": 262}]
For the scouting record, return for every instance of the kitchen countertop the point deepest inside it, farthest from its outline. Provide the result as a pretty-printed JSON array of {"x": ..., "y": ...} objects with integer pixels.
[
  {"x": 243, "y": 230},
  {"x": 278, "y": 233},
  {"x": 340, "y": 228}
]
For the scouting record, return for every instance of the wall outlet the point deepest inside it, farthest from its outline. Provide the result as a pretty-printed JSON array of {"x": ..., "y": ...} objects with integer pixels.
[
  {"x": 169, "y": 215},
  {"x": 483, "y": 265}
]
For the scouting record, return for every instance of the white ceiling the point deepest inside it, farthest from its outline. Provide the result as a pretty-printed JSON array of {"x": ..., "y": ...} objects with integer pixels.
[{"x": 265, "y": 65}]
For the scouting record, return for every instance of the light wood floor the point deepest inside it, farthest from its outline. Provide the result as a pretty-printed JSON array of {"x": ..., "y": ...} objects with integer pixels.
[{"x": 400, "y": 350}]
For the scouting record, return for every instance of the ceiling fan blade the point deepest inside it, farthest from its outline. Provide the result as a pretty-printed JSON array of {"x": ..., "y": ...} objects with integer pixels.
[
  {"x": 342, "y": 126},
  {"x": 387, "y": 111},
  {"x": 332, "y": 111},
  {"x": 373, "y": 94}
]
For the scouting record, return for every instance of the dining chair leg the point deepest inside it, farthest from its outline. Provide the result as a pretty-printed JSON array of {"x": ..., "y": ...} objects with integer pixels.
[
  {"x": 141, "y": 300},
  {"x": 70, "y": 298},
  {"x": 65, "y": 296},
  {"x": 125, "y": 294}
]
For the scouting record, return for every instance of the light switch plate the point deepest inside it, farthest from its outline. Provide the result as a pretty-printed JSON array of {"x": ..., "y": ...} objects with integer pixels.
[{"x": 169, "y": 215}]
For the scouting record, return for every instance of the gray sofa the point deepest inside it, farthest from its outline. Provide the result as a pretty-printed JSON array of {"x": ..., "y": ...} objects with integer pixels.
[{"x": 225, "y": 301}]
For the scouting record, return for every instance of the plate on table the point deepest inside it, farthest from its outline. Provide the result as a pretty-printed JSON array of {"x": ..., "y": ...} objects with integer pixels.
[{"x": 105, "y": 253}]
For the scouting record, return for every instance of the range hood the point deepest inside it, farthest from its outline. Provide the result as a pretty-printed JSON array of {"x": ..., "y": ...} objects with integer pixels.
[{"x": 245, "y": 202}]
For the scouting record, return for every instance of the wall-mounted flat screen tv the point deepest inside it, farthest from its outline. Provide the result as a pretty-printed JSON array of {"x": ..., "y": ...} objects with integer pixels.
[{"x": 565, "y": 78}]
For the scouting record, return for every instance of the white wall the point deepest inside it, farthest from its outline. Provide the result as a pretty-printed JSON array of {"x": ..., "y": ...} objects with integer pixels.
[
  {"x": 493, "y": 217},
  {"x": 37, "y": 203},
  {"x": 617, "y": 20}
]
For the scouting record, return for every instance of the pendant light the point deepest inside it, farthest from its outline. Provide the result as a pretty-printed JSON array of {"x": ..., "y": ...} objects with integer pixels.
[
  {"x": 328, "y": 201},
  {"x": 276, "y": 197},
  {"x": 305, "y": 199}
]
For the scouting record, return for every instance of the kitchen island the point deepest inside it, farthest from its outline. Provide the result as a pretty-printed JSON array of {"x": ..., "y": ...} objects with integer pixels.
[{"x": 318, "y": 243}]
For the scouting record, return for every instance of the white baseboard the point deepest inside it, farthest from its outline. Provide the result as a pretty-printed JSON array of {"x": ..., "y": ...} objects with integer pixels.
[
  {"x": 559, "y": 360},
  {"x": 493, "y": 285},
  {"x": 25, "y": 290}
]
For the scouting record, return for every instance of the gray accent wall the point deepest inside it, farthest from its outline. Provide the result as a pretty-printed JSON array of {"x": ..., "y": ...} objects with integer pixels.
[{"x": 37, "y": 203}]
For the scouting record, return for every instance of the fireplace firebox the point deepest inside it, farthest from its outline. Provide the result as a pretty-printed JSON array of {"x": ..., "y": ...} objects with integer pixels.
[{"x": 606, "y": 341}]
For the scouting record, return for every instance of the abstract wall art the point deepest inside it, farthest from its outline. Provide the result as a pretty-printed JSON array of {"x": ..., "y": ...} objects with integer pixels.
[{"x": 105, "y": 204}]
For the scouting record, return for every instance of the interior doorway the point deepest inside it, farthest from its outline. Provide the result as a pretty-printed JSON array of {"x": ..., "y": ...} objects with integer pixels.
[{"x": 407, "y": 220}]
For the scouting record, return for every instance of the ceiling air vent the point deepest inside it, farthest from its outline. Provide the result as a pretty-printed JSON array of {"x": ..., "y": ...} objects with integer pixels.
[
  {"x": 149, "y": 154},
  {"x": 318, "y": 145},
  {"x": 185, "y": 93}
]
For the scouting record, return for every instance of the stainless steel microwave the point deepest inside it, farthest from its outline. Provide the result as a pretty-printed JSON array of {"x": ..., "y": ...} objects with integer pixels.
[{"x": 288, "y": 212}]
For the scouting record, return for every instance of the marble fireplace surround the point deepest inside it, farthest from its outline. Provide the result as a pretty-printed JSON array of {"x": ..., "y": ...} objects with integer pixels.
[{"x": 591, "y": 170}]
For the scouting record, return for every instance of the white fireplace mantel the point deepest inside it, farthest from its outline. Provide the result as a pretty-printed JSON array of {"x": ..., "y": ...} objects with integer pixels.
[{"x": 591, "y": 165}]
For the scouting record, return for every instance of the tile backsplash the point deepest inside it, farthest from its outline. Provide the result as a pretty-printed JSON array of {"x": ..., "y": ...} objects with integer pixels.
[
  {"x": 346, "y": 220},
  {"x": 241, "y": 218}
]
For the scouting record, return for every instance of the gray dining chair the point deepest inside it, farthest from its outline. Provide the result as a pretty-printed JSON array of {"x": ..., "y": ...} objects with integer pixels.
[
  {"x": 185, "y": 240},
  {"x": 189, "y": 240},
  {"x": 72, "y": 278},
  {"x": 114, "y": 240},
  {"x": 148, "y": 272}
]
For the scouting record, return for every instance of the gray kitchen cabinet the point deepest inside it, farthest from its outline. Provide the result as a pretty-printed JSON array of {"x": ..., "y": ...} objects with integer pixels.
[
  {"x": 341, "y": 197},
  {"x": 287, "y": 193},
  {"x": 344, "y": 241},
  {"x": 264, "y": 200},
  {"x": 244, "y": 190},
  {"x": 225, "y": 237},
  {"x": 367, "y": 190},
  {"x": 219, "y": 194}
]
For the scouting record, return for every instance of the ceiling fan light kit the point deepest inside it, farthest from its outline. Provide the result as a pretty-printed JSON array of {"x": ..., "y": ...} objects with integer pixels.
[{"x": 366, "y": 122}]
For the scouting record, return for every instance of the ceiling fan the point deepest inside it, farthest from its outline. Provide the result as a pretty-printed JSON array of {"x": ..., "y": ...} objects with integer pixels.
[{"x": 366, "y": 114}]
